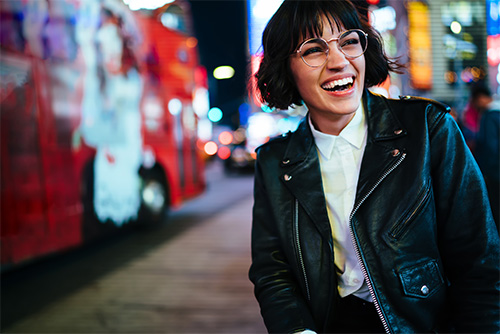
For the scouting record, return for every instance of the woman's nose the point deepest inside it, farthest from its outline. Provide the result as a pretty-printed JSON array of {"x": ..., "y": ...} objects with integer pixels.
[{"x": 336, "y": 59}]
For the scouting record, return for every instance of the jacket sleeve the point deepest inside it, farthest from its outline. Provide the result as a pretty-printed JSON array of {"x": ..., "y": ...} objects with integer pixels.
[
  {"x": 283, "y": 307},
  {"x": 468, "y": 237}
]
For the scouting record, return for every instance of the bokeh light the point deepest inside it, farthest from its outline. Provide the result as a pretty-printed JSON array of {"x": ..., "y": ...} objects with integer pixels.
[
  {"x": 456, "y": 27},
  {"x": 215, "y": 114},
  {"x": 211, "y": 148},
  {"x": 191, "y": 42},
  {"x": 175, "y": 106},
  {"x": 224, "y": 153},
  {"x": 240, "y": 135},
  {"x": 225, "y": 138},
  {"x": 223, "y": 72}
]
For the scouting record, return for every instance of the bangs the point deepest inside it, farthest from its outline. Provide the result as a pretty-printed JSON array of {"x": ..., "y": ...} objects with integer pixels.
[{"x": 307, "y": 21}]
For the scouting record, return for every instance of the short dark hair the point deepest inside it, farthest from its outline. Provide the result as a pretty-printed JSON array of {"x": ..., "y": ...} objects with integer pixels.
[
  {"x": 479, "y": 89},
  {"x": 295, "y": 20}
]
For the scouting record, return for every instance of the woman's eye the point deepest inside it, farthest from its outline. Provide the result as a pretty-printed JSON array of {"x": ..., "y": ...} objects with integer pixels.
[
  {"x": 350, "y": 41},
  {"x": 313, "y": 50}
]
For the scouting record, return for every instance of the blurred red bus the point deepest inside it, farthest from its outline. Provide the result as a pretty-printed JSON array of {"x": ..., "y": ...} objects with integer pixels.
[{"x": 98, "y": 121}]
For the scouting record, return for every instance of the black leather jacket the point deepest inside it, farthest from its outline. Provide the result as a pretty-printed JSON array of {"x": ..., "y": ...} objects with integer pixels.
[{"x": 421, "y": 222}]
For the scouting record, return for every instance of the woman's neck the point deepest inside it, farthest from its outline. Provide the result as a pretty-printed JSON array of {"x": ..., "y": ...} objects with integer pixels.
[{"x": 331, "y": 124}]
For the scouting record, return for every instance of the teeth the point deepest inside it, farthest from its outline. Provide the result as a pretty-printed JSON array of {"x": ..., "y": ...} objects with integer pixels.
[{"x": 335, "y": 83}]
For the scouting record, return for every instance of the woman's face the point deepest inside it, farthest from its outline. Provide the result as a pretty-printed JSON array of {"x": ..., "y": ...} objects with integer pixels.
[{"x": 332, "y": 91}]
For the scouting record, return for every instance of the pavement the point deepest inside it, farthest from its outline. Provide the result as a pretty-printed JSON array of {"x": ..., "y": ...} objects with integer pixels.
[{"x": 194, "y": 281}]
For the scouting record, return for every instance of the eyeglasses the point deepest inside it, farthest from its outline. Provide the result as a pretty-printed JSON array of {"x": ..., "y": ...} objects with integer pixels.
[{"x": 352, "y": 43}]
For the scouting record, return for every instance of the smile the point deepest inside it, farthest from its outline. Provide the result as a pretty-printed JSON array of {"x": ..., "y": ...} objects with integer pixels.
[{"x": 339, "y": 85}]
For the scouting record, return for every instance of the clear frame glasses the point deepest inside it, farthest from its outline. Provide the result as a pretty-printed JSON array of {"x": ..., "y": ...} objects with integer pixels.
[{"x": 352, "y": 43}]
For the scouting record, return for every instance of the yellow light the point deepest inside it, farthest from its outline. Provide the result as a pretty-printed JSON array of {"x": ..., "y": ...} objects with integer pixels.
[{"x": 223, "y": 72}]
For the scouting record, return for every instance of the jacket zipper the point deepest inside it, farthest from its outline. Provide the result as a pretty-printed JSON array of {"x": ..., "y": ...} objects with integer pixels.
[
  {"x": 357, "y": 250},
  {"x": 398, "y": 230},
  {"x": 299, "y": 249}
]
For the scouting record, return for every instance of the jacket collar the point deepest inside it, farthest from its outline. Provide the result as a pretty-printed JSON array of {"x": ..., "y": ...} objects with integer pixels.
[
  {"x": 382, "y": 125},
  {"x": 354, "y": 133}
]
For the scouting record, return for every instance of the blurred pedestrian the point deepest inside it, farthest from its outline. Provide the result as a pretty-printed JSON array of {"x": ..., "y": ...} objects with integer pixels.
[
  {"x": 479, "y": 100},
  {"x": 372, "y": 216},
  {"x": 487, "y": 154}
]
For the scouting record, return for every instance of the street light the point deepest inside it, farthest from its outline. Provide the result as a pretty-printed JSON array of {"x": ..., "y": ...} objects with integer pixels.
[
  {"x": 456, "y": 27},
  {"x": 223, "y": 72}
]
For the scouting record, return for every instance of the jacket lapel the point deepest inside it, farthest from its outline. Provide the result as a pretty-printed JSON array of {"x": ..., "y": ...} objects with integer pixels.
[
  {"x": 301, "y": 174},
  {"x": 383, "y": 150}
]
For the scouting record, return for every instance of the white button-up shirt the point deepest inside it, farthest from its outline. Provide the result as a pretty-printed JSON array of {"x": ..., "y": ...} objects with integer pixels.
[{"x": 340, "y": 161}]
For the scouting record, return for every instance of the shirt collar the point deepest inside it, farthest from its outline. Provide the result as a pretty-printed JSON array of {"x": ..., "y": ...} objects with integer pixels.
[{"x": 354, "y": 133}]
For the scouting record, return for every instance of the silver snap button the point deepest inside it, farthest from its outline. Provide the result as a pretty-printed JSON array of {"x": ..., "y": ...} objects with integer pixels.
[
  {"x": 398, "y": 132},
  {"x": 286, "y": 162},
  {"x": 287, "y": 177},
  {"x": 395, "y": 152},
  {"x": 425, "y": 290}
]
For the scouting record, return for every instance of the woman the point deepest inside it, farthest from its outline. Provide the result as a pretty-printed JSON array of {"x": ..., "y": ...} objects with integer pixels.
[{"x": 372, "y": 216}]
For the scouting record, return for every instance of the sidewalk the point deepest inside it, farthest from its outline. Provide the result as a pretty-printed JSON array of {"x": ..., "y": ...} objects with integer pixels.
[{"x": 194, "y": 283}]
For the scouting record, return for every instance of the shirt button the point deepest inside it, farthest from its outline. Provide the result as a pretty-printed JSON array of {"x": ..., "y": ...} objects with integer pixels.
[
  {"x": 287, "y": 177},
  {"x": 425, "y": 290}
]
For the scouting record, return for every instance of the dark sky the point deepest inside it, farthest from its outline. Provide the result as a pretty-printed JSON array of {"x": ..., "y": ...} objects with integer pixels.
[{"x": 221, "y": 29}]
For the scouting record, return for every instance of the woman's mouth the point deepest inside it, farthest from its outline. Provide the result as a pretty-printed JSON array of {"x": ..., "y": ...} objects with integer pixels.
[{"x": 338, "y": 85}]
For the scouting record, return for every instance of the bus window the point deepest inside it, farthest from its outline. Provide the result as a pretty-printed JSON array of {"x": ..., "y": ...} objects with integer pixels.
[{"x": 173, "y": 18}]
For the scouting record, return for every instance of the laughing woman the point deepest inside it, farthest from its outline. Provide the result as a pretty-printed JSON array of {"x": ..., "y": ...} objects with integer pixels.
[{"x": 372, "y": 216}]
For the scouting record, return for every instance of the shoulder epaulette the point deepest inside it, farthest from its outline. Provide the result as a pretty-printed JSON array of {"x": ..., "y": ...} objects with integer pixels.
[{"x": 440, "y": 105}]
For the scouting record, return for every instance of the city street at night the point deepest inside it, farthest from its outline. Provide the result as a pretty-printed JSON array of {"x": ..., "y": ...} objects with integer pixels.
[{"x": 133, "y": 133}]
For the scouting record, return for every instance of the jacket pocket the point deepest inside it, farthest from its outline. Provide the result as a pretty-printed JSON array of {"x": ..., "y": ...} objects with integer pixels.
[
  {"x": 404, "y": 224},
  {"x": 421, "y": 280}
]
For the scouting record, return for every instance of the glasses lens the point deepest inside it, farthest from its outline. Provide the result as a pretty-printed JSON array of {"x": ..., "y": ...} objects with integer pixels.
[
  {"x": 353, "y": 43},
  {"x": 314, "y": 52}
]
